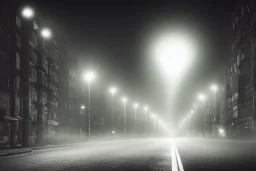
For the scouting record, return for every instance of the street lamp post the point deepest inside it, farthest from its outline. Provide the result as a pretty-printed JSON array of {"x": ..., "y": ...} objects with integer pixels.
[
  {"x": 112, "y": 91},
  {"x": 124, "y": 100},
  {"x": 135, "y": 105},
  {"x": 145, "y": 118},
  {"x": 83, "y": 107},
  {"x": 202, "y": 98},
  {"x": 89, "y": 77},
  {"x": 214, "y": 89}
]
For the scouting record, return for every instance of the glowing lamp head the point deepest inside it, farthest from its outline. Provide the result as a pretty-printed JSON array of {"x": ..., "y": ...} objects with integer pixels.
[
  {"x": 201, "y": 97},
  {"x": 174, "y": 53},
  {"x": 89, "y": 76},
  {"x": 112, "y": 90},
  {"x": 221, "y": 130},
  {"x": 146, "y": 108},
  {"x": 46, "y": 33},
  {"x": 214, "y": 88},
  {"x": 124, "y": 99},
  {"x": 27, "y": 12},
  {"x": 135, "y": 105},
  {"x": 82, "y": 106}
]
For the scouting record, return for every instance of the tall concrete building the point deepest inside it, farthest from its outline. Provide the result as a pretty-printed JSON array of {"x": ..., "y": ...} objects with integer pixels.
[
  {"x": 30, "y": 79},
  {"x": 240, "y": 73}
]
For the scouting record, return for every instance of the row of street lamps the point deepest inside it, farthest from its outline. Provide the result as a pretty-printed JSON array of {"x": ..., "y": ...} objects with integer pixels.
[
  {"x": 90, "y": 76},
  {"x": 28, "y": 13},
  {"x": 202, "y": 98}
]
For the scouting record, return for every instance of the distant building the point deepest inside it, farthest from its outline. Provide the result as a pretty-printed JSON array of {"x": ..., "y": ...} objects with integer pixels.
[{"x": 240, "y": 73}]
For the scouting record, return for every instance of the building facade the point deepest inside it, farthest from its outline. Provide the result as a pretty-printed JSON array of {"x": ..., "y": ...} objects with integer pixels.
[
  {"x": 30, "y": 87},
  {"x": 240, "y": 74}
]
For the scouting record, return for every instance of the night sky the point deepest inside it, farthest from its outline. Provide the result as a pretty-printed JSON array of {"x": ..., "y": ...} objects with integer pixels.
[{"x": 114, "y": 36}]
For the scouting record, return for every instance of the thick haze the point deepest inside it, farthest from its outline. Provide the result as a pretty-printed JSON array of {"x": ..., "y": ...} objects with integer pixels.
[{"x": 115, "y": 35}]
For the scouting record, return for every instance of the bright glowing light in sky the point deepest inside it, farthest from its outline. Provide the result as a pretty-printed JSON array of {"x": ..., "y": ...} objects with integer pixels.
[{"x": 174, "y": 53}]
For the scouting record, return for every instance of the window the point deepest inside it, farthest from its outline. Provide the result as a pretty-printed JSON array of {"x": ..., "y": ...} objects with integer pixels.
[
  {"x": 44, "y": 80},
  {"x": 44, "y": 97},
  {"x": 18, "y": 22},
  {"x": 17, "y": 60},
  {"x": 34, "y": 38},
  {"x": 45, "y": 65},
  {"x": 34, "y": 74},
  {"x": 33, "y": 58},
  {"x": 32, "y": 93},
  {"x": 18, "y": 41},
  {"x": 17, "y": 82},
  {"x": 45, "y": 112},
  {"x": 32, "y": 111},
  {"x": 17, "y": 106}
]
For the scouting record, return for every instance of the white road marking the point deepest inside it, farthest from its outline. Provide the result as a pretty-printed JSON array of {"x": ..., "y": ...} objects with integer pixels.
[
  {"x": 179, "y": 160},
  {"x": 174, "y": 161}
]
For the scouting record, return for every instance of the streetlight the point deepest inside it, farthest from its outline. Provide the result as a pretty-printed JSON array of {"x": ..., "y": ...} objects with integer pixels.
[
  {"x": 89, "y": 76},
  {"x": 112, "y": 91},
  {"x": 27, "y": 12},
  {"x": 135, "y": 106},
  {"x": 145, "y": 118},
  {"x": 83, "y": 108},
  {"x": 124, "y": 100},
  {"x": 174, "y": 52},
  {"x": 202, "y": 98},
  {"x": 46, "y": 33},
  {"x": 214, "y": 88}
]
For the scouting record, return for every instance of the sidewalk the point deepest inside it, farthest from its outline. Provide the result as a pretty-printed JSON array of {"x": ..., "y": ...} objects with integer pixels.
[{"x": 21, "y": 150}]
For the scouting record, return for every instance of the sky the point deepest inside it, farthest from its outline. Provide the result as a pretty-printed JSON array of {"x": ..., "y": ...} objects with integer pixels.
[{"x": 114, "y": 37}]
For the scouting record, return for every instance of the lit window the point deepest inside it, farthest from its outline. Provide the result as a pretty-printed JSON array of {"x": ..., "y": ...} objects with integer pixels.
[{"x": 17, "y": 60}]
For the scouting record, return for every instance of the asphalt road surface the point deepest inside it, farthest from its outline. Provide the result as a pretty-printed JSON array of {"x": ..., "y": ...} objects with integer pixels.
[{"x": 140, "y": 154}]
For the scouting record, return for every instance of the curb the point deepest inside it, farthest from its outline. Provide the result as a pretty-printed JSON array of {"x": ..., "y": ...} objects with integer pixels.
[
  {"x": 15, "y": 153},
  {"x": 39, "y": 148}
]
